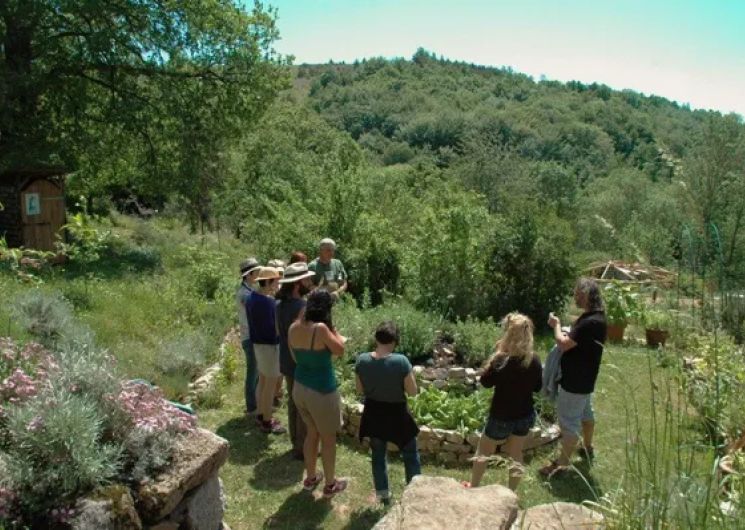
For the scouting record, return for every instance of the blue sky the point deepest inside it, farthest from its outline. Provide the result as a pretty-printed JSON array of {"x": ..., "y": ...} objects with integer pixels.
[{"x": 685, "y": 50}]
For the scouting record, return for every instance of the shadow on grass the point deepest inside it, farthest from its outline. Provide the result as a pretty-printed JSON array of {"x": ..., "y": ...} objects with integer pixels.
[
  {"x": 247, "y": 443},
  {"x": 364, "y": 519},
  {"x": 576, "y": 485},
  {"x": 300, "y": 511},
  {"x": 277, "y": 472}
]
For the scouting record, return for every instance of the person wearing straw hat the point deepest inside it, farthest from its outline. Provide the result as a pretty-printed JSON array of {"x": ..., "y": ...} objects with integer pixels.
[
  {"x": 290, "y": 304},
  {"x": 329, "y": 271},
  {"x": 249, "y": 269},
  {"x": 261, "y": 309}
]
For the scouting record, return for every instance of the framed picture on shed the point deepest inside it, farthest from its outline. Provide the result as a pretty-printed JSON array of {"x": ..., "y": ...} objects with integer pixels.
[{"x": 33, "y": 204}]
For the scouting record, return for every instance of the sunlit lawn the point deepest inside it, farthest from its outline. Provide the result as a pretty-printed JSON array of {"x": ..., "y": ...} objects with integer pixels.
[{"x": 263, "y": 482}]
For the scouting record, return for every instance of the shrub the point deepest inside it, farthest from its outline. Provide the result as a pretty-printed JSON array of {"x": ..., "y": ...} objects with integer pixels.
[
  {"x": 530, "y": 267},
  {"x": 475, "y": 339},
  {"x": 55, "y": 450},
  {"x": 184, "y": 354},
  {"x": 46, "y": 316},
  {"x": 418, "y": 328}
]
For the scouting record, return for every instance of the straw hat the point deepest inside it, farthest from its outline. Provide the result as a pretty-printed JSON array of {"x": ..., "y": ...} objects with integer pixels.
[
  {"x": 268, "y": 273},
  {"x": 296, "y": 272}
]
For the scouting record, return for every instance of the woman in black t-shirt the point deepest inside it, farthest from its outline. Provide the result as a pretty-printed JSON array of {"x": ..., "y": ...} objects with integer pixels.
[{"x": 515, "y": 373}]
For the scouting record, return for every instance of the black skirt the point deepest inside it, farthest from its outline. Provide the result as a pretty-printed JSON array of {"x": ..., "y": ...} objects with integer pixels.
[{"x": 391, "y": 422}]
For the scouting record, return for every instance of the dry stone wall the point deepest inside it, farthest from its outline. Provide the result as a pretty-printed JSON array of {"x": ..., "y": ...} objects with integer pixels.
[{"x": 447, "y": 446}]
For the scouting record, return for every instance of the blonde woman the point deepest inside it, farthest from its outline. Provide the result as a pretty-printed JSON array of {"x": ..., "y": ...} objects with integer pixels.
[{"x": 515, "y": 373}]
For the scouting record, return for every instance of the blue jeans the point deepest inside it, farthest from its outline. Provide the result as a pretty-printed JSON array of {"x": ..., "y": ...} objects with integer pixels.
[
  {"x": 252, "y": 376},
  {"x": 412, "y": 466}
]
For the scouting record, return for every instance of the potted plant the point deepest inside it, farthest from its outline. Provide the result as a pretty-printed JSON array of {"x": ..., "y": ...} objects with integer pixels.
[
  {"x": 621, "y": 307},
  {"x": 657, "y": 325}
]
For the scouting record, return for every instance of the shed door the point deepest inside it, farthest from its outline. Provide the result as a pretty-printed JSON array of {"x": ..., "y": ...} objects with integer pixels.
[{"x": 43, "y": 214}]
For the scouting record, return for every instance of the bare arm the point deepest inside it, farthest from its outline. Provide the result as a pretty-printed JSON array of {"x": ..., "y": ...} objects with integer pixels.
[
  {"x": 333, "y": 341},
  {"x": 563, "y": 340},
  {"x": 410, "y": 384},
  {"x": 358, "y": 384}
]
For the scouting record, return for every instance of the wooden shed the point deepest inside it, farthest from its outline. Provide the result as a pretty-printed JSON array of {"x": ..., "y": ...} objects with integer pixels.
[{"x": 33, "y": 206}]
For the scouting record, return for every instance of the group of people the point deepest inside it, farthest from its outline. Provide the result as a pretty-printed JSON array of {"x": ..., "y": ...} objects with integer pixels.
[{"x": 287, "y": 331}]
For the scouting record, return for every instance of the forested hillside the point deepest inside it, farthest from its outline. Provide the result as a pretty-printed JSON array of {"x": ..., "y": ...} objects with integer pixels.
[{"x": 467, "y": 190}]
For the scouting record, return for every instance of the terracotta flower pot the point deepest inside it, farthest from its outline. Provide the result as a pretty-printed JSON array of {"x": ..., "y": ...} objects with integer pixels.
[
  {"x": 615, "y": 332},
  {"x": 655, "y": 337}
]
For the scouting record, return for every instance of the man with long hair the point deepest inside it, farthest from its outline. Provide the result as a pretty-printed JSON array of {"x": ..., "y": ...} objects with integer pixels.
[{"x": 582, "y": 352}]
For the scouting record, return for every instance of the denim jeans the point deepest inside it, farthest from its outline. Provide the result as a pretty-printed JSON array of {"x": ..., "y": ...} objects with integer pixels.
[
  {"x": 379, "y": 451},
  {"x": 252, "y": 376}
]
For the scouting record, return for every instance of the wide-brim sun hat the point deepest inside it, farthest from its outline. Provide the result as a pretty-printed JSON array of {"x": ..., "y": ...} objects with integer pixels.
[
  {"x": 248, "y": 266},
  {"x": 268, "y": 273},
  {"x": 296, "y": 272}
]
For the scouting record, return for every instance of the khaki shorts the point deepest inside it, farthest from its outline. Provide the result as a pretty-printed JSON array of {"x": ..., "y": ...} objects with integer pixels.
[
  {"x": 267, "y": 359},
  {"x": 321, "y": 411}
]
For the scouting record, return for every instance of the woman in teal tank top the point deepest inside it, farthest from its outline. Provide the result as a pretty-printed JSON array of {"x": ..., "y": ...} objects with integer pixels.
[{"x": 313, "y": 343}]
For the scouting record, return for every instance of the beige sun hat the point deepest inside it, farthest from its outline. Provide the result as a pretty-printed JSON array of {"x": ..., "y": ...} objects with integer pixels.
[
  {"x": 268, "y": 273},
  {"x": 296, "y": 272}
]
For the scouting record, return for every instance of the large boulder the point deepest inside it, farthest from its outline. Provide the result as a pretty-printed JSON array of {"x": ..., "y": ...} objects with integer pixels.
[
  {"x": 197, "y": 458},
  {"x": 108, "y": 508},
  {"x": 558, "y": 516},
  {"x": 440, "y": 503}
]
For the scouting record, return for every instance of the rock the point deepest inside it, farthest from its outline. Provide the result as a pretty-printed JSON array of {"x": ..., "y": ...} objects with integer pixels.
[
  {"x": 204, "y": 506},
  {"x": 558, "y": 516},
  {"x": 439, "y": 433},
  {"x": 197, "y": 457},
  {"x": 433, "y": 446},
  {"x": 109, "y": 508},
  {"x": 224, "y": 526},
  {"x": 440, "y": 384},
  {"x": 439, "y": 503},
  {"x": 392, "y": 448},
  {"x": 465, "y": 458},
  {"x": 457, "y": 372},
  {"x": 425, "y": 433},
  {"x": 418, "y": 369},
  {"x": 456, "y": 448},
  {"x": 447, "y": 458},
  {"x": 165, "y": 525},
  {"x": 441, "y": 373},
  {"x": 454, "y": 437},
  {"x": 471, "y": 372},
  {"x": 473, "y": 439},
  {"x": 538, "y": 437},
  {"x": 470, "y": 381}
]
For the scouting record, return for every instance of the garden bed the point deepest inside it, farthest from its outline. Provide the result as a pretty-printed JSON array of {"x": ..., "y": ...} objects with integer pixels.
[{"x": 448, "y": 446}]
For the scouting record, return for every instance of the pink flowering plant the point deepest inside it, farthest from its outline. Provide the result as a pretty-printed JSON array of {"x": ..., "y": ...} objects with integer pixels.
[{"x": 68, "y": 425}]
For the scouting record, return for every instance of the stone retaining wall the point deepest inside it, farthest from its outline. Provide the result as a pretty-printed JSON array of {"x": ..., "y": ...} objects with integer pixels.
[
  {"x": 448, "y": 447},
  {"x": 188, "y": 495}
]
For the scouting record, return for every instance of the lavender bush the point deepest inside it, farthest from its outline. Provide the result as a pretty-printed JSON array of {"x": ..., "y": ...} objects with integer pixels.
[{"x": 68, "y": 425}]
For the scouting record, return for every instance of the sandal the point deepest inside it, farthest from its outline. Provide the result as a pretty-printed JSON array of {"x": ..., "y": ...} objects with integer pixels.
[
  {"x": 465, "y": 484},
  {"x": 272, "y": 427},
  {"x": 337, "y": 486},
  {"x": 551, "y": 469},
  {"x": 310, "y": 483}
]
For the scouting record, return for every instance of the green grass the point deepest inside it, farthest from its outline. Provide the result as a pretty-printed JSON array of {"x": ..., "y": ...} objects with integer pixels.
[
  {"x": 134, "y": 306},
  {"x": 263, "y": 483}
]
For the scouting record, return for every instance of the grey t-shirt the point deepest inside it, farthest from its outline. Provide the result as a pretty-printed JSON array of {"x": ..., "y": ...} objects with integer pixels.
[{"x": 383, "y": 379}]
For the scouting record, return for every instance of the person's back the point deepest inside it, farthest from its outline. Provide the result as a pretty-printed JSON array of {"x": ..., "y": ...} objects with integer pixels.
[
  {"x": 314, "y": 367},
  {"x": 383, "y": 379},
  {"x": 514, "y": 385}
]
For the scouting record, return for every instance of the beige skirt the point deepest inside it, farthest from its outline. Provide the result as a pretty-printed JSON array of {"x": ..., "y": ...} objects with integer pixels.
[{"x": 322, "y": 411}]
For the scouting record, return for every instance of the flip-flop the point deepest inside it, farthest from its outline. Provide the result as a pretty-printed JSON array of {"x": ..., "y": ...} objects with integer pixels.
[{"x": 339, "y": 485}]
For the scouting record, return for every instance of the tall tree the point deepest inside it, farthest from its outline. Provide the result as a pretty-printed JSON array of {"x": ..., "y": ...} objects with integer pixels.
[{"x": 179, "y": 78}]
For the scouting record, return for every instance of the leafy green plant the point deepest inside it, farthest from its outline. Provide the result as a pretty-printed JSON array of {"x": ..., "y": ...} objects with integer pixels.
[
  {"x": 657, "y": 319},
  {"x": 464, "y": 411},
  {"x": 621, "y": 303},
  {"x": 86, "y": 240}
]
